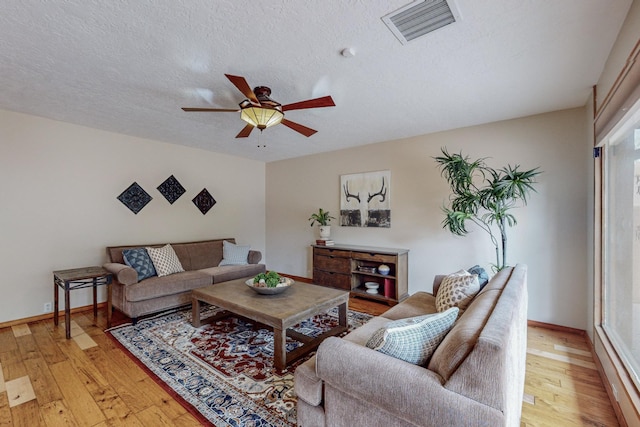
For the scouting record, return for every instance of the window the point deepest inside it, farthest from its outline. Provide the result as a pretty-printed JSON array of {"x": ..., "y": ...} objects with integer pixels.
[{"x": 621, "y": 239}]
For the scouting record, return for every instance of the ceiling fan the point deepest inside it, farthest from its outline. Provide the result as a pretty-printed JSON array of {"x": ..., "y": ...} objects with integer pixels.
[{"x": 260, "y": 111}]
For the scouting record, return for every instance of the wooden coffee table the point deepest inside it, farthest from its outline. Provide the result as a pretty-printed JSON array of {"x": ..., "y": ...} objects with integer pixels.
[{"x": 280, "y": 312}]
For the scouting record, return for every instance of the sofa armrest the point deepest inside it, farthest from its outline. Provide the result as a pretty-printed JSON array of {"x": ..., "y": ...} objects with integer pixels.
[
  {"x": 254, "y": 257},
  {"x": 123, "y": 273},
  {"x": 308, "y": 386},
  {"x": 409, "y": 392}
]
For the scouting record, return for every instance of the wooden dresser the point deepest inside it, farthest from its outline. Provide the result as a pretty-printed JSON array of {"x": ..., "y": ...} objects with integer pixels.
[{"x": 350, "y": 267}]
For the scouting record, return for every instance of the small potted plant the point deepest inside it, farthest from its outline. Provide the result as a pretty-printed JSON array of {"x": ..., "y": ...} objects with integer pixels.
[{"x": 323, "y": 219}]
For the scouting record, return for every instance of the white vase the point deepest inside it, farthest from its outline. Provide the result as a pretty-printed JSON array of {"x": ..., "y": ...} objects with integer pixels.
[{"x": 325, "y": 232}]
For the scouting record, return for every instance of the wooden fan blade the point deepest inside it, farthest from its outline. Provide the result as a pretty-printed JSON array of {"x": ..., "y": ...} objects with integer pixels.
[
  {"x": 298, "y": 127},
  {"x": 243, "y": 87},
  {"x": 245, "y": 132},
  {"x": 325, "y": 101},
  {"x": 211, "y": 109}
]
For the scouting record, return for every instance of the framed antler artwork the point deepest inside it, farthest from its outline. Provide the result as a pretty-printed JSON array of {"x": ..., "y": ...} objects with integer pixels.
[{"x": 365, "y": 199}]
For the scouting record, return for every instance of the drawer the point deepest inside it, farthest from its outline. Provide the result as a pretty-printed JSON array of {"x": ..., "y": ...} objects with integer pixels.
[
  {"x": 366, "y": 256},
  {"x": 331, "y": 263},
  {"x": 332, "y": 280},
  {"x": 332, "y": 252}
]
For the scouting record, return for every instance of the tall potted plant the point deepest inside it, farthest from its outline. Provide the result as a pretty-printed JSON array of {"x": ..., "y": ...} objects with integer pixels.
[
  {"x": 484, "y": 196},
  {"x": 323, "y": 219}
]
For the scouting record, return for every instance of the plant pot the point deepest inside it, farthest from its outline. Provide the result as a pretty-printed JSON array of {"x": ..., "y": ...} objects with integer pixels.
[{"x": 325, "y": 232}]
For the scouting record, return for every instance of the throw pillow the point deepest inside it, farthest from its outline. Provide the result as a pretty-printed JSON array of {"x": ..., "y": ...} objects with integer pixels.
[
  {"x": 165, "y": 260},
  {"x": 139, "y": 260},
  {"x": 414, "y": 340},
  {"x": 483, "y": 277},
  {"x": 234, "y": 254},
  {"x": 457, "y": 290}
]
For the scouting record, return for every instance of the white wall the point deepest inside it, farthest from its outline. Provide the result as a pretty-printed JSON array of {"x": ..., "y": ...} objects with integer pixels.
[
  {"x": 550, "y": 236},
  {"x": 58, "y": 206}
]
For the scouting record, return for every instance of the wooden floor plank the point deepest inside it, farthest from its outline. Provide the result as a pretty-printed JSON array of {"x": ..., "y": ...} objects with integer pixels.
[
  {"x": 76, "y": 395},
  {"x": 125, "y": 377},
  {"x": 186, "y": 420},
  {"x": 47, "y": 346},
  {"x": 153, "y": 416},
  {"x": 12, "y": 364},
  {"x": 19, "y": 391},
  {"x": 562, "y": 358},
  {"x": 2, "y": 386},
  {"x": 21, "y": 330},
  {"x": 44, "y": 384},
  {"x": 7, "y": 340},
  {"x": 169, "y": 406},
  {"x": 27, "y": 415},
  {"x": 57, "y": 414},
  {"x": 5, "y": 411}
]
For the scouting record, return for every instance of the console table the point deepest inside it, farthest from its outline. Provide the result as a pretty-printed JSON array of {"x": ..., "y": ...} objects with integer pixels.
[
  {"x": 79, "y": 278},
  {"x": 350, "y": 267}
]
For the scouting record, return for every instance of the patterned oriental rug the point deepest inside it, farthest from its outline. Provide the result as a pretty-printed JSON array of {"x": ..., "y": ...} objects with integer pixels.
[{"x": 222, "y": 372}]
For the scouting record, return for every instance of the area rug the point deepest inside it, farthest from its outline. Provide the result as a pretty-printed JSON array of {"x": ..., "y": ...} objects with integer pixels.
[{"x": 222, "y": 372}]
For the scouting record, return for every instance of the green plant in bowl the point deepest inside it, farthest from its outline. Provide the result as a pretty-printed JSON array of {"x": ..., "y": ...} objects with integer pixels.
[{"x": 270, "y": 279}]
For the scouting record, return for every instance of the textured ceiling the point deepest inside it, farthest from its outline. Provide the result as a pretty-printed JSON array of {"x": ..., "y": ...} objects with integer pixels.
[{"x": 128, "y": 66}]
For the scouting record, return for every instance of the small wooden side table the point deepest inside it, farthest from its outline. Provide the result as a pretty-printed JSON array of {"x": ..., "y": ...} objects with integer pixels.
[{"x": 78, "y": 278}]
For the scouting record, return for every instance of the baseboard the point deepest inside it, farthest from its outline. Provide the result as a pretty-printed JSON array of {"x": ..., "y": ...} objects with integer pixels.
[
  {"x": 49, "y": 316},
  {"x": 553, "y": 327}
]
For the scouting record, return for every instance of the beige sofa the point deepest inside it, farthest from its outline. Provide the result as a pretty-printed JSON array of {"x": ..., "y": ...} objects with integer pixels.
[
  {"x": 200, "y": 261},
  {"x": 474, "y": 378}
]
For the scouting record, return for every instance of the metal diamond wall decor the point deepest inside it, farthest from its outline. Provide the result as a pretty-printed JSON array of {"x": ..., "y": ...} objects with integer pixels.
[
  {"x": 204, "y": 201},
  {"x": 135, "y": 198},
  {"x": 171, "y": 189}
]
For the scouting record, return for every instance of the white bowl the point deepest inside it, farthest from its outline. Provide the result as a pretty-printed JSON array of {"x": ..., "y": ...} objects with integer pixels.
[
  {"x": 383, "y": 269},
  {"x": 372, "y": 291},
  {"x": 371, "y": 285}
]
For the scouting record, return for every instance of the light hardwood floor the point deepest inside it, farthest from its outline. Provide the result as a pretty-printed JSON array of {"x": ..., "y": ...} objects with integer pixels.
[{"x": 46, "y": 380}]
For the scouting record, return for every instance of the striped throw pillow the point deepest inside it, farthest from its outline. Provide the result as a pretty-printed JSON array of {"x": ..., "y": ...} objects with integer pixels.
[{"x": 415, "y": 339}]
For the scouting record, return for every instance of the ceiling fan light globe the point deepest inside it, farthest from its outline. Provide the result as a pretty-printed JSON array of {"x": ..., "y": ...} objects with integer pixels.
[{"x": 261, "y": 117}]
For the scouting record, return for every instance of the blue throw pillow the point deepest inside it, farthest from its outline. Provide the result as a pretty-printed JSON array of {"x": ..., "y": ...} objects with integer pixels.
[
  {"x": 483, "y": 277},
  {"x": 139, "y": 260},
  {"x": 234, "y": 254}
]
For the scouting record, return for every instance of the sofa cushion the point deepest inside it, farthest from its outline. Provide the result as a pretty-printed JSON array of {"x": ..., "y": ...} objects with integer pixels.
[
  {"x": 165, "y": 260},
  {"x": 232, "y": 272},
  {"x": 414, "y": 339},
  {"x": 415, "y": 305},
  {"x": 233, "y": 254},
  {"x": 457, "y": 290},
  {"x": 139, "y": 260},
  {"x": 161, "y": 286}
]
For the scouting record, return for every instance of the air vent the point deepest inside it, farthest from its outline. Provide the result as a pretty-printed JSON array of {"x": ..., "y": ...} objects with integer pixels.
[{"x": 419, "y": 18}]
